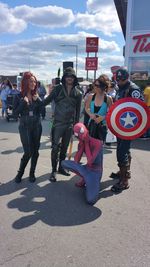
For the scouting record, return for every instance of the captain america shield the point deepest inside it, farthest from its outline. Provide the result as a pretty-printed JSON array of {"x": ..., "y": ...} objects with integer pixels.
[{"x": 128, "y": 118}]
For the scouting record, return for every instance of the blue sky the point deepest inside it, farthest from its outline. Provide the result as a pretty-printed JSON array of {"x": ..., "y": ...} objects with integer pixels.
[{"x": 32, "y": 31}]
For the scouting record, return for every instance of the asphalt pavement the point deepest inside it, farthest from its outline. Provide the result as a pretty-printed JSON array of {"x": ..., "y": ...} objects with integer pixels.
[{"x": 50, "y": 225}]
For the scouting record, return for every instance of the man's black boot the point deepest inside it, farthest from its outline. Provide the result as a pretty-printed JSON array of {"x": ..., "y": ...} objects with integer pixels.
[
  {"x": 52, "y": 176},
  {"x": 62, "y": 171},
  {"x": 123, "y": 183},
  {"x": 115, "y": 175},
  {"x": 32, "y": 177}
]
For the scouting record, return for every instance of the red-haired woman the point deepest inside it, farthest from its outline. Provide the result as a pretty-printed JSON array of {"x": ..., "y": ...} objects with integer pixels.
[{"x": 27, "y": 106}]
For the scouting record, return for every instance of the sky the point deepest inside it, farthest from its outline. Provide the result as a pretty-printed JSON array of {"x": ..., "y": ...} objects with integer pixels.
[{"x": 32, "y": 33}]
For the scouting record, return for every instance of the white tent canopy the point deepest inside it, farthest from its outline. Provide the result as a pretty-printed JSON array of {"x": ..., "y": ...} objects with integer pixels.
[{"x": 84, "y": 83}]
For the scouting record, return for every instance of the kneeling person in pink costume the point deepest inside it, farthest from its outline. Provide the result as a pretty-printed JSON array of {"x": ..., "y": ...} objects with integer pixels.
[{"x": 91, "y": 172}]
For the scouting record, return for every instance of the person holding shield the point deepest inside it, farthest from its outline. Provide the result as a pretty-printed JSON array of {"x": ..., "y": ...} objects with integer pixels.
[{"x": 126, "y": 88}]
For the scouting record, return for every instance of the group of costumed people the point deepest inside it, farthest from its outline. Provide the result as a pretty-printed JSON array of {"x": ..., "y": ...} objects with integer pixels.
[{"x": 67, "y": 97}]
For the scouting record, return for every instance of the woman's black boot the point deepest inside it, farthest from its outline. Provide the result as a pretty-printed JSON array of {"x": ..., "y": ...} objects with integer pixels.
[{"x": 23, "y": 164}]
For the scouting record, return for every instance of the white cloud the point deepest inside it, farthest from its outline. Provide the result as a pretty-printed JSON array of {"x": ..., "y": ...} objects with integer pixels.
[
  {"x": 101, "y": 17},
  {"x": 8, "y": 22},
  {"x": 105, "y": 21},
  {"x": 44, "y": 55},
  {"x": 106, "y": 61},
  {"x": 107, "y": 46},
  {"x": 96, "y": 5},
  {"x": 46, "y": 16},
  {"x": 114, "y": 59}
]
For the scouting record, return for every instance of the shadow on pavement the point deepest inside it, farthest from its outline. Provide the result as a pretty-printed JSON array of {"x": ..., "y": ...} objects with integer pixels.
[
  {"x": 105, "y": 184},
  {"x": 44, "y": 145},
  {"x": 10, "y": 151},
  {"x": 55, "y": 204},
  {"x": 12, "y": 127}
]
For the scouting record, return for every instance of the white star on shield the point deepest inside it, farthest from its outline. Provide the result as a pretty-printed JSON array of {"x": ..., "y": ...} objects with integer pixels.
[{"x": 128, "y": 120}]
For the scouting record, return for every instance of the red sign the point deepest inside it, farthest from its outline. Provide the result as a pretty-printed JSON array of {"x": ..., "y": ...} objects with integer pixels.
[
  {"x": 142, "y": 44},
  {"x": 91, "y": 63},
  {"x": 92, "y": 44},
  {"x": 114, "y": 69}
]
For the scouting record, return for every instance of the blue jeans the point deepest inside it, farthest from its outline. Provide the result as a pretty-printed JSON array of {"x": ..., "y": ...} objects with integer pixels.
[
  {"x": 3, "y": 107},
  {"x": 123, "y": 152}
]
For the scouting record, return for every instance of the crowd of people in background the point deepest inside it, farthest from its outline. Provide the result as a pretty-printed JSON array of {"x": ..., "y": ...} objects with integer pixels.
[
  {"x": 65, "y": 96},
  {"x": 8, "y": 91},
  {"x": 5, "y": 90}
]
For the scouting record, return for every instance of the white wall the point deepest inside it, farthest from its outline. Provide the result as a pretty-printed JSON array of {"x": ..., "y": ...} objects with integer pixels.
[{"x": 137, "y": 51}]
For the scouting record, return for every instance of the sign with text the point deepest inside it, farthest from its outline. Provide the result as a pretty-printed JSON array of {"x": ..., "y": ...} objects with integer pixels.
[
  {"x": 92, "y": 44},
  {"x": 91, "y": 63},
  {"x": 139, "y": 45},
  {"x": 142, "y": 43}
]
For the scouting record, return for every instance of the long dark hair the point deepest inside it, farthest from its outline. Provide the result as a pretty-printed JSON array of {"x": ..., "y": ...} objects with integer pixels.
[
  {"x": 25, "y": 83},
  {"x": 90, "y": 89},
  {"x": 105, "y": 80},
  {"x": 7, "y": 82}
]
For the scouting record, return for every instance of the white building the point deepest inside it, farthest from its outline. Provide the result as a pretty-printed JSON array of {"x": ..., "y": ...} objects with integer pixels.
[{"x": 134, "y": 17}]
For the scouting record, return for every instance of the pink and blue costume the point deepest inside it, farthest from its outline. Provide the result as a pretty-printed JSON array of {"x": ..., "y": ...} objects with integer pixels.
[{"x": 91, "y": 172}]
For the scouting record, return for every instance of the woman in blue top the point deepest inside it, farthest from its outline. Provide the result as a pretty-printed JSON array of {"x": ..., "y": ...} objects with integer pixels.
[{"x": 97, "y": 106}]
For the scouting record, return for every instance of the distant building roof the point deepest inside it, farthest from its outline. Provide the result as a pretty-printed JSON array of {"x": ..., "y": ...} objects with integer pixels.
[{"x": 121, "y": 6}]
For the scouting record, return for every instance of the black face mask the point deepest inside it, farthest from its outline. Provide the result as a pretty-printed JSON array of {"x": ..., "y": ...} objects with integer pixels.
[
  {"x": 122, "y": 79},
  {"x": 69, "y": 76}
]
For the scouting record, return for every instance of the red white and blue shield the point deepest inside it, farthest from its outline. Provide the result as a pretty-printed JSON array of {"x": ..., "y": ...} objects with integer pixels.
[{"x": 128, "y": 118}]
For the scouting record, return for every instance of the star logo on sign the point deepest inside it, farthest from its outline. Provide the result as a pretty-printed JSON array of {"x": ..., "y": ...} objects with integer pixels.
[{"x": 128, "y": 120}]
